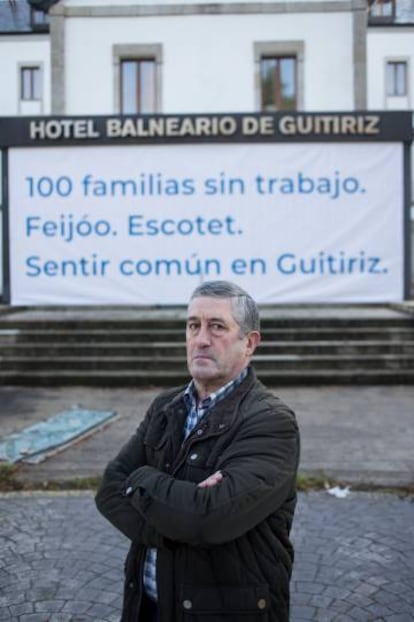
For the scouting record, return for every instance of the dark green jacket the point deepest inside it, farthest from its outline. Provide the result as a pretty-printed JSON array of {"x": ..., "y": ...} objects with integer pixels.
[{"x": 223, "y": 552}]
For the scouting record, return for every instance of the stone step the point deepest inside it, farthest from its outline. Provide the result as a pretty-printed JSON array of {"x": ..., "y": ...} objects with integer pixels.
[
  {"x": 120, "y": 334},
  {"x": 146, "y": 347},
  {"x": 154, "y": 322},
  {"x": 166, "y": 349},
  {"x": 167, "y": 378},
  {"x": 164, "y": 363}
]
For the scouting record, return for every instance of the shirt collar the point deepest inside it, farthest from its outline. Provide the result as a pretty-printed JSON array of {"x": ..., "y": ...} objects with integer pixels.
[{"x": 190, "y": 393}]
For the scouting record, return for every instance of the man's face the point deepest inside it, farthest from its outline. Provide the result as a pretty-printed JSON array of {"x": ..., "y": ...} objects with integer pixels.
[{"x": 216, "y": 351}]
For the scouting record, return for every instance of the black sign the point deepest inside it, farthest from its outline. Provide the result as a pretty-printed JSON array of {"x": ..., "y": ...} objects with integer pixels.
[{"x": 207, "y": 128}]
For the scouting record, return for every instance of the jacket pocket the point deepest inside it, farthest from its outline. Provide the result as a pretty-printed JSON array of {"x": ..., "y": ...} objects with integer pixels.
[{"x": 227, "y": 603}]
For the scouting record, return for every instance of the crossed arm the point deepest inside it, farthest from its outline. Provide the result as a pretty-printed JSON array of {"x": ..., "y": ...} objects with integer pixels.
[{"x": 254, "y": 476}]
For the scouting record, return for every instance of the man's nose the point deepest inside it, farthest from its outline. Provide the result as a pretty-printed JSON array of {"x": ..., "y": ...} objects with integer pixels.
[{"x": 203, "y": 336}]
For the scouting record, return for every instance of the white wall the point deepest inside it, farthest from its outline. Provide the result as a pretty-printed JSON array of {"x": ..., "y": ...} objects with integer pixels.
[
  {"x": 388, "y": 44},
  {"x": 391, "y": 44},
  {"x": 17, "y": 50},
  {"x": 208, "y": 60}
]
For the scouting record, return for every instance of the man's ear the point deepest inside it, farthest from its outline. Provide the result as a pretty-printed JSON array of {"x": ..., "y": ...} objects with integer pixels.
[{"x": 253, "y": 340}]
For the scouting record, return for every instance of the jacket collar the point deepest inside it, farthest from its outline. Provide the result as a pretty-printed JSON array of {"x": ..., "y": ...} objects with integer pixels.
[{"x": 221, "y": 416}]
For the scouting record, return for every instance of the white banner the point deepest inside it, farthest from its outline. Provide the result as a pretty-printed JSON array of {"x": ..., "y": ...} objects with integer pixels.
[{"x": 144, "y": 225}]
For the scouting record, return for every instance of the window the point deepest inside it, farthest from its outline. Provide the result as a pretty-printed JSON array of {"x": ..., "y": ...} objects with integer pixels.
[
  {"x": 39, "y": 20},
  {"x": 279, "y": 75},
  {"x": 138, "y": 86},
  {"x": 30, "y": 83},
  {"x": 137, "y": 78},
  {"x": 396, "y": 79},
  {"x": 278, "y": 83},
  {"x": 382, "y": 9}
]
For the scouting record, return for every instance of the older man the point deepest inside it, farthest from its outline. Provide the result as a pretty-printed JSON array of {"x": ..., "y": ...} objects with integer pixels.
[{"x": 206, "y": 488}]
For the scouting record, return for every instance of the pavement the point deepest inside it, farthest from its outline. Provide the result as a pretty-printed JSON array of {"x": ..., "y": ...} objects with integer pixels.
[{"x": 61, "y": 561}]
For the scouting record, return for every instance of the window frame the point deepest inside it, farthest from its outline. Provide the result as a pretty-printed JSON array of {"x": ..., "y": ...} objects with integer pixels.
[
  {"x": 277, "y": 68},
  {"x": 138, "y": 74},
  {"x": 395, "y": 62},
  {"x": 32, "y": 68},
  {"x": 279, "y": 49},
  {"x": 380, "y": 17},
  {"x": 39, "y": 20},
  {"x": 136, "y": 52}
]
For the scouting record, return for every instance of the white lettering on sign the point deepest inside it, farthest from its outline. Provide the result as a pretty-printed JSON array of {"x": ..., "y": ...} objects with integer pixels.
[
  {"x": 63, "y": 128},
  {"x": 359, "y": 125}
]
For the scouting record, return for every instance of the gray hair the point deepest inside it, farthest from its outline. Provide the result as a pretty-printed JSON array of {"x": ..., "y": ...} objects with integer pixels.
[{"x": 245, "y": 311}]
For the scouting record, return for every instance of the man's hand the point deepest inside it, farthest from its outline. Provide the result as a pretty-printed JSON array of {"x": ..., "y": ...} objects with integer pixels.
[{"x": 211, "y": 480}]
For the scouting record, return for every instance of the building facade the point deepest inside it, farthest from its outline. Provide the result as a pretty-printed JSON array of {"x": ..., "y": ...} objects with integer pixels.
[{"x": 102, "y": 57}]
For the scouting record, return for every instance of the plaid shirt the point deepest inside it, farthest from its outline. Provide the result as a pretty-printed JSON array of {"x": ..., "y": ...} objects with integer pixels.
[{"x": 195, "y": 413}]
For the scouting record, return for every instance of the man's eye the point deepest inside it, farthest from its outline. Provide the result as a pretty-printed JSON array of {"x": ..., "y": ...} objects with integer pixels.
[{"x": 217, "y": 327}]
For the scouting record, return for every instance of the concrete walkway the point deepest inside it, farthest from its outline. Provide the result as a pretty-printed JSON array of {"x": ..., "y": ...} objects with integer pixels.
[{"x": 356, "y": 434}]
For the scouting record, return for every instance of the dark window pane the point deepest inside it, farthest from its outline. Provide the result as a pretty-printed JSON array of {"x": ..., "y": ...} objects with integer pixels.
[
  {"x": 401, "y": 78},
  {"x": 382, "y": 8},
  {"x": 396, "y": 79},
  {"x": 288, "y": 83},
  {"x": 268, "y": 72},
  {"x": 39, "y": 18},
  {"x": 129, "y": 87},
  {"x": 278, "y": 83},
  {"x": 30, "y": 83},
  {"x": 147, "y": 86},
  {"x": 137, "y": 86}
]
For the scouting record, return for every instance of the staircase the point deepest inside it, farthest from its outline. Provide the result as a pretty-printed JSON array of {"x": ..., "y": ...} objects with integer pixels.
[{"x": 146, "y": 347}]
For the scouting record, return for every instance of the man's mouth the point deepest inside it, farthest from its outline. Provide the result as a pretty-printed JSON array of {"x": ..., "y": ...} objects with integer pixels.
[{"x": 202, "y": 357}]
